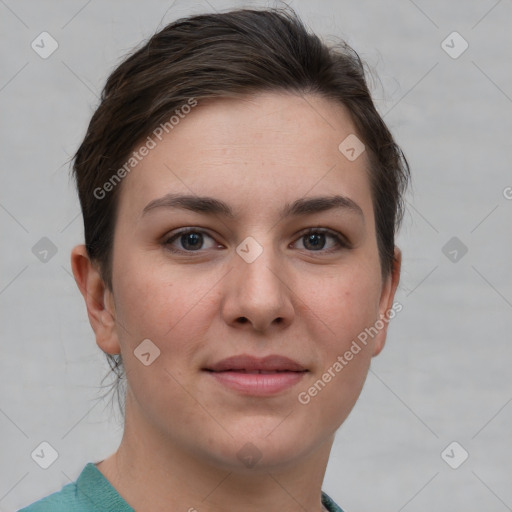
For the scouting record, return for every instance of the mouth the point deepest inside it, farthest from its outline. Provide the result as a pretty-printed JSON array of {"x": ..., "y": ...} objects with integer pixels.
[
  {"x": 265, "y": 372},
  {"x": 250, "y": 364},
  {"x": 257, "y": 376}
]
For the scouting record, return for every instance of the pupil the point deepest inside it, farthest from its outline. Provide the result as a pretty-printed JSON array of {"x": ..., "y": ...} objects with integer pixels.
[
  {"x": 317, "y": 240},
  {"x": 192, "y": 240}
]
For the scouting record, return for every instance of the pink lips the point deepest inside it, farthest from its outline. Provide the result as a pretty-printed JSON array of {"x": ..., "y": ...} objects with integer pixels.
[{"x": 257, "y": 376}]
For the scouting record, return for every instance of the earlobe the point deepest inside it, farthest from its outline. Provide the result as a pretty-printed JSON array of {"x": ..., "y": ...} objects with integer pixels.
[
  {"x": 386, "y": 301},
  {"x": 96, "y": 296}
]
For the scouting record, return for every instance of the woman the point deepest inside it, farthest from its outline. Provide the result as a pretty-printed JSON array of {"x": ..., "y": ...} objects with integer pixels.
[{"x": 240, "y": 196}]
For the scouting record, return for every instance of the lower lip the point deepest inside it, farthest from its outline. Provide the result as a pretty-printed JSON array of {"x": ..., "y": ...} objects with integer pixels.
[{"x": 260, "y": 384}]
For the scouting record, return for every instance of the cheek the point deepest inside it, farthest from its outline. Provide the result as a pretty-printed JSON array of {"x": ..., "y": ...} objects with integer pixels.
[
  {"x": 152, "y": 303},
  {"x": 346, "y": 304},
  {"x": 165, "y": 304}
]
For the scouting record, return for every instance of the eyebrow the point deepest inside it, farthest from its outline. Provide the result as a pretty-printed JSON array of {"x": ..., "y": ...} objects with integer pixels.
[{"x": 212, "y": 206}]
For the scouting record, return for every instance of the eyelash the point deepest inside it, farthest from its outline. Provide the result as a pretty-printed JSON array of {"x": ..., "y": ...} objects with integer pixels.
[{"x": 341, "y": 241}]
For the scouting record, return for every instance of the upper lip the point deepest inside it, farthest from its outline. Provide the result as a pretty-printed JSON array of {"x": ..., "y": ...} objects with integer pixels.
[{"x": 250, "y": 363}]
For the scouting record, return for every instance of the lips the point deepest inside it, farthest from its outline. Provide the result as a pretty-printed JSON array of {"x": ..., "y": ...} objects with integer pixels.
[
  {"x": 249, "y": 364},
  {"x": 254, "y": 376}
]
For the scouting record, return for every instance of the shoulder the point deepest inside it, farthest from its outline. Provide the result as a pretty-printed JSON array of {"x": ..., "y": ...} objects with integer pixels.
[
  {"x": 66, "y": 500},
  {"x": 91, "y": 492},
  {"x": 329, "y": 504}
]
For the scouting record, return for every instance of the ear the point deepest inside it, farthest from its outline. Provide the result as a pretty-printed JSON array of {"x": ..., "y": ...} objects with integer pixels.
[
  {"x": 98, "y": 300},
  {"x": 387, "y": 310}
]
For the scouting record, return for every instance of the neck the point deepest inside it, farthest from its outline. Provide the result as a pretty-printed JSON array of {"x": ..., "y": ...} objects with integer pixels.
[{"x": 153, "y": 474}]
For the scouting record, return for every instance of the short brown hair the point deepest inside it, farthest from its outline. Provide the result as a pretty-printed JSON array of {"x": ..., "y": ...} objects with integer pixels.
[{"x": 230, "y": 54}]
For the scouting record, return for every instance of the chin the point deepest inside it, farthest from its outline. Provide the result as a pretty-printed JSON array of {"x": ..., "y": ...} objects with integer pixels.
[{"x": 264, "y": 445}]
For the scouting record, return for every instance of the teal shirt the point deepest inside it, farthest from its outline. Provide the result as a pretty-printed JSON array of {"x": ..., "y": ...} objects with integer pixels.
[{"x": 92, "y": 492}]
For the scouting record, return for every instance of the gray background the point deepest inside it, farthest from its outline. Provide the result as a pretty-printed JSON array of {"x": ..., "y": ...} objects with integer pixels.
[{"x": 443, "y": 375}]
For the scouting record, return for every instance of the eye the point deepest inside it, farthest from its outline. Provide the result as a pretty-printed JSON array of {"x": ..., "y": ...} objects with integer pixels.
[
  {"x": 315, "y": 240},
  {"x": 190, "y": 240}
]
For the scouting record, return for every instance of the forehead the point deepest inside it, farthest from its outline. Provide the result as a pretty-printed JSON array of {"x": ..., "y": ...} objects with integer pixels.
[{"x": 259, "y": 151}]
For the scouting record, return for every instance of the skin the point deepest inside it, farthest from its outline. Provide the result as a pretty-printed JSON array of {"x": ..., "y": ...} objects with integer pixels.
[{"x": 183, "y": 429}]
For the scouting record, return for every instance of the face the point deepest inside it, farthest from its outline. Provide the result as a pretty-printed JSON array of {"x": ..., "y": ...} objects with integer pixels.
[{"x": 254, "y": 287}]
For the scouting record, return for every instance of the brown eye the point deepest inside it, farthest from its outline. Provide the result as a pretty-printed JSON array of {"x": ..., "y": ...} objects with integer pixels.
[
  {"x": 316, "y": 240},
  {"x": 188, "y": 240}
]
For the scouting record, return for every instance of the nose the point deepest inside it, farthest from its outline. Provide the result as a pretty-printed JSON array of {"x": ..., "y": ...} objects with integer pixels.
[{"x": 257, "y": 296}]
